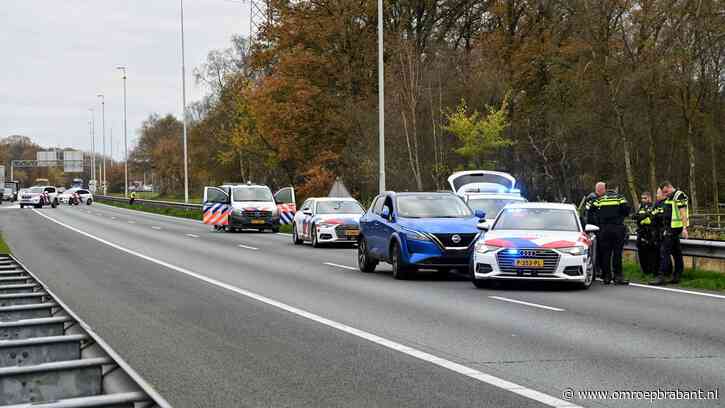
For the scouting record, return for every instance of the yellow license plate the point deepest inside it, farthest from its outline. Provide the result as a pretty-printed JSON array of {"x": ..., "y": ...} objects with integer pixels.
[
  {"x": 258, "y": 221},
  {"x": 352, "y": 233},
  {"x": 529, "y": 263}
]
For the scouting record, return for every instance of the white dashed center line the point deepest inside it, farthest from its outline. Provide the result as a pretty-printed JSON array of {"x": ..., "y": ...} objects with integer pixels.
[
  {"x": 156, "y": 228},
  {"x": 248, "y": 247},
  {"x": 340, "y": 266},
  {"x": 192, "y": 236},
  {"x": 521, "y": 302},
  {"x": 132, "y": 222}
]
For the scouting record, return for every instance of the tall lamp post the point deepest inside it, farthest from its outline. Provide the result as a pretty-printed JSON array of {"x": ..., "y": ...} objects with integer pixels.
[
  {"x": 183, "y": 101},
  {"x": 103, "y": 132},
  {"x": 93, "y": 144},
  {"x": 125, "y": 133},
  {"x": 381, "y": 99}
]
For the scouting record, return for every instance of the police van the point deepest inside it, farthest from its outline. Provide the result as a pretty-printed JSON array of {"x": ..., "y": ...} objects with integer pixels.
[
  {"x": 485, "y": 190},
  {"x": 240, "y": 206}
]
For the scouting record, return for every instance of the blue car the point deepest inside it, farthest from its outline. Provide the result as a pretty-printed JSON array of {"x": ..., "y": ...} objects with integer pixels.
[{"x": 414, "y": 231}]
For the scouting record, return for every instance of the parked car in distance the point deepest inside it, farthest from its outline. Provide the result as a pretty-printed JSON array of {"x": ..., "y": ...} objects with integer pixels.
[
  {"x": 327, "y": 220},
  {"x": 84, "y": 196},
  {"x": 414, "y": 231},
  {"x": 536, "y": 242}
]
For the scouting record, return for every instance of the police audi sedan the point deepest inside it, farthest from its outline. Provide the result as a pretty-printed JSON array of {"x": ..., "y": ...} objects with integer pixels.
[
  {"x": 414, "y": 231},
  {"x": 327, "y": 220},
  {"x": 535, "y": 241}
]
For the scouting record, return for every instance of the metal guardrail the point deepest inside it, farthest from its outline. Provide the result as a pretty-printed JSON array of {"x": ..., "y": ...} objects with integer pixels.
[
  {"x": 690, "y": 247},
  {"x": 49, "y": 357}
]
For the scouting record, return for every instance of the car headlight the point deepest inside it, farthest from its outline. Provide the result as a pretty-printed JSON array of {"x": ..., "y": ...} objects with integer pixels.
[
  {"x": 483, "y": 248},
  {"x": 326, "y": 225},
  {"x": 575, "y": 250},
  {"x": 415, "y": 235}
]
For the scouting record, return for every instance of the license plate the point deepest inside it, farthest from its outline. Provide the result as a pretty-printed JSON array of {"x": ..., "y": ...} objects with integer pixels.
[
  {"x": 529, "y": 263},
  {"x": 352, "y": 233},
  {"x": 258, "y": 221}
]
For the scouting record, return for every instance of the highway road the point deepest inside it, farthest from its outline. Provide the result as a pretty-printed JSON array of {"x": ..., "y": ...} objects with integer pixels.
[{"x": 248, "y": 319}]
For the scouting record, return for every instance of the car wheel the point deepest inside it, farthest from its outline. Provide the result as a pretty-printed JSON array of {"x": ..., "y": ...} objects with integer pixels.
[
  {"x": 295, "y": 238},
  {"x": 481, "y": 283},
  {"x": 313, "y": 232},
  {"x": 400, "y": 271},
  {"x": 89, "y": 202},
  {"x": 38, "y": 205},
  {"x": 54, "y": 204},
  {"x": 364, "y": 261},
  {"x": 22, "y": 206},
  {"x": 588, "y": 275}
]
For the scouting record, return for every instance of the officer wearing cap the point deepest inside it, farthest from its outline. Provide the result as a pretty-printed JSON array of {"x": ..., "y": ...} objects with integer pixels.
[
  {"x": 675, "y": 219},
  {"x": 610, "y": 210},
  {"x": 647, "y": 236}
]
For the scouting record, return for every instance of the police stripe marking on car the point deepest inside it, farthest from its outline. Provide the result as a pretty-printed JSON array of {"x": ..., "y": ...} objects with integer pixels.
[{"x": 216, "y": 213}]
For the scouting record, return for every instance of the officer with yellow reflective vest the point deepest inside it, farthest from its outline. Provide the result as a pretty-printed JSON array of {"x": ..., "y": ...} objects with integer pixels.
[
  {"x": 647, "y": 235},
  {"x": 610, "y": 211},
  {"x": 675, "y": 219}
]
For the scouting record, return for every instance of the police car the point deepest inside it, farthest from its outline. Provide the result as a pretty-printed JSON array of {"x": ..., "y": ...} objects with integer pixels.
[
  {"x": 39, "y": 196},
  {"x": 84, "y": 196},
  {"x": 535, "y": 241},
  {"x": 239, "y": 206},
  {"x": 486, "y": 191},
  {"x": 327, "y": 220}
]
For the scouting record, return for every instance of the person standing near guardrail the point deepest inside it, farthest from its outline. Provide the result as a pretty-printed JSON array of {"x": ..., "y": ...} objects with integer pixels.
[
  {"x": 675, "y": 219},
  {"x": 610, "y": 211},
  {"x": 132, "y": 198},
  {"x": 590, "y": 217},
  {"x": 648, "y": 250}
]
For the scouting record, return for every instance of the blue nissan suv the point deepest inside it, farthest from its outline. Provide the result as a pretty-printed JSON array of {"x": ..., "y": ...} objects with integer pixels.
[{"x": 417, "y": 231}]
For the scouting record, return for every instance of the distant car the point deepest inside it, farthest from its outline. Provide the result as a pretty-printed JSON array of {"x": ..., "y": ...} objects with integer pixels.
[
  {"x": 417, "y": 231},
  {"x": 39, "y": 196},
  {"x": 84, "y": 196},
  {"x": 6, "y": 194},
  {"x": 246, "y": 206},
  {"x": 537, "y": 242},
  {"x": 485, "y": 190},
  {"x": 327, "y": 220}
]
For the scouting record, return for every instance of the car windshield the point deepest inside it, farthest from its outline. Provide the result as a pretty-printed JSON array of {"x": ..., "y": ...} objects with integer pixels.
[
  {"x": 36, "y": 189},
  {"x": 491, "y": 206},
  {"x": 252, "y": 194},
  {"x": 432, "y": 206},
  {"x": 339, "y": 207},
  {"x": 70, "y": 191},
  {"x": 547, "y": 219}
]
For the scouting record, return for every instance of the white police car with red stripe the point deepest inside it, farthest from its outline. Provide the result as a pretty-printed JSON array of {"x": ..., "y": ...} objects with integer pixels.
[
  {"x": 39, "y": 196},
  {"x": 536, "y": 242},
  {"x": 327, "y": 220},
  {"x": 236, "y": 207}
]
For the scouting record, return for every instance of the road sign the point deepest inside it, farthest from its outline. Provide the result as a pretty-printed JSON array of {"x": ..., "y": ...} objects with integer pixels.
[
  {"x": 47, "y": 158},
  {"x": 72, "y": 161}
]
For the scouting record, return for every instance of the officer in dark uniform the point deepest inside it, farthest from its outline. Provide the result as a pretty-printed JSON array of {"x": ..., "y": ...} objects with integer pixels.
[
  {"x": 675, "y": 219},
  {"x": 590, "y": 217},
  {"x": 647, "y": 236},
  {"x": 610, "y": 210}
]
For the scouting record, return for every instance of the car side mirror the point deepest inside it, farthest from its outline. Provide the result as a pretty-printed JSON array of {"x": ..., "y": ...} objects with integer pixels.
[
  {"x": 484, "y": 226},
  {"x": 385, "y": 212},
  {"x": 480, "y": 214},
  {"x": 589, "y": 228},
  {"x": 306, "y": 212}
]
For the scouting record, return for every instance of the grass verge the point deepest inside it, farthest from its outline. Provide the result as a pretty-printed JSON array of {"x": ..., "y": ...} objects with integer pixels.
[
  {"x": 156, "y": 196},
  {"x": 4, "y": 249},
  {"x": 691, "y": 279},
  {"x": 174, "y": 212}
]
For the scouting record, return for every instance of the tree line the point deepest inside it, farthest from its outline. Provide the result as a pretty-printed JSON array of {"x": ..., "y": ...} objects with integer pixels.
[{"x": 559, "y": 93}]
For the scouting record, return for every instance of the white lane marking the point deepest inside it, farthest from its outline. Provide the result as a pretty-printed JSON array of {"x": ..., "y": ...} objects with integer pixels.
[
  {"x": 156, "y": 228},
  {"x": 286, "y": 234},
  {"x": 689, "y": 292},
  {"x": 113, "y": 218},
  {"x": 132, "y": 222},
  {"x": 521, "y": 302},
  {"x": 192, "y": 236},
  {"x": 340, "y": 266},
  {"x": 410, "y": 351},
  {"x": 248, "y": 247}
]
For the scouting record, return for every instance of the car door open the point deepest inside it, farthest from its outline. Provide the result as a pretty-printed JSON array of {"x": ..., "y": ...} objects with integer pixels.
[{"x": 217, "y": 207}]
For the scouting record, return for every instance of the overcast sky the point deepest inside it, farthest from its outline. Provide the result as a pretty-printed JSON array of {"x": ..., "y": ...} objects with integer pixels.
[{"x": 58, "y": 55}]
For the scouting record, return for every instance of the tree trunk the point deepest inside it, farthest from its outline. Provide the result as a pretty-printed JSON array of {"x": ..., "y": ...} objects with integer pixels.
[
  {"x": 631, "y": 181},
  {"x": 691, "y": 158}
]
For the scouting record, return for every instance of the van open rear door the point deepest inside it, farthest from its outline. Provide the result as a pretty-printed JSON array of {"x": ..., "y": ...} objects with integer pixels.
[
  {"x": 286, "y": 204},
  {"x": 217, "y": 206}
]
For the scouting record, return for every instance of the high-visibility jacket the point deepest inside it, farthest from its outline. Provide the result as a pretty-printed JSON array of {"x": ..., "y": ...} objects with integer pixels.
[
  {"x": 611, "y": 208},
  {"x": 673, "y": 203}
]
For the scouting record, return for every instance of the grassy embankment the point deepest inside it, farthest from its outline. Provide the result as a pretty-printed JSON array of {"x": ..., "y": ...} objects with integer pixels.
[
  {"x": 691, "y": 279},
  {"x": 4, "y": 249}
]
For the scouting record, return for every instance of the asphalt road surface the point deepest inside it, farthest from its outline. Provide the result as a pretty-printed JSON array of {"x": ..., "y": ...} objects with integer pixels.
[{"x": 248, "y": 319}]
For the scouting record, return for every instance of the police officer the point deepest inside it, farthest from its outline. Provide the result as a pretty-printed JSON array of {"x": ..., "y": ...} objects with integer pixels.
[
  {"x": 610, "y": 210},
  {"x": 675, "y": 219},
  {"x": 132, "y": 198},
  {"x": 647, "y": 236},
  {"x": 590, "y": 217}
]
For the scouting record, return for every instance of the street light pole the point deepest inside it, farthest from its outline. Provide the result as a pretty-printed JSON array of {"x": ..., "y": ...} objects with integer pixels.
[
  {"x": 381, "y": 99},
  {"x": 103, "y": 131},
  {"x": 93, "y": 144},
  {"x": 183, "y": 101},
  {"x": 125, "y": 134}
]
